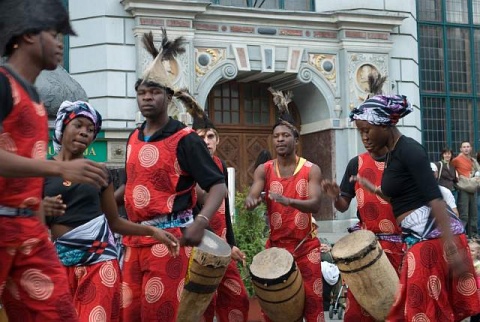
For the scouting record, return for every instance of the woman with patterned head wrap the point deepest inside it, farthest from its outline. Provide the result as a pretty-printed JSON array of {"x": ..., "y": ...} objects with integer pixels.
[
  {"x": 374, "y": 213},
  {"x": 437, "y": 281},
  {"x": 82, "y": 217},
  {"x": 29, "y": 39},
  {"x": 292, "y": 187}
]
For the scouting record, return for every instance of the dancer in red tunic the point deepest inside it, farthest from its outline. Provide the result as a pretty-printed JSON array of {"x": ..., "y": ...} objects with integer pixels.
[
  {"x": 292, "y": 185},
  {"x": 165, "y": 161},
  {"x": 230, "y": 302},
  {"x": 33, "y": 284}
]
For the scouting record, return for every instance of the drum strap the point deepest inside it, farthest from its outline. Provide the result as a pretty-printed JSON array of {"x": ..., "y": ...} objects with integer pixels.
[
  {"x": 358, "y": 269},
  {"x": 200, "y": 288}
]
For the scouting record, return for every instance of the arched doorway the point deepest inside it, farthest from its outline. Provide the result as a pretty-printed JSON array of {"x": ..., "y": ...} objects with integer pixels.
[{"x": 244, "y": 115}]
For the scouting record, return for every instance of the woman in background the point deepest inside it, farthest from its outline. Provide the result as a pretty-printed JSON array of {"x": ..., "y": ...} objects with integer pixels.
[{"x": 447, "y": 175}]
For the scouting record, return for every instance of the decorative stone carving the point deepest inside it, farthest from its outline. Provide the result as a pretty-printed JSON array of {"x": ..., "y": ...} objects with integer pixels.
[
  {"x": 359, "y": 66},
  {"x": 116, "y": 151},
  {"x": 327, "y": 66},
  {"x": 57, "y": 86},
  {"x": 206, "y": 59}
]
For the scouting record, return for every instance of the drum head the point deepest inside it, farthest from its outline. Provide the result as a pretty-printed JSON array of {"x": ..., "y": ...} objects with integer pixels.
[
  {"x": 354, "y": 244},
  {"x": 212, "y": 244},
  {"x": 271, "y": 263}
]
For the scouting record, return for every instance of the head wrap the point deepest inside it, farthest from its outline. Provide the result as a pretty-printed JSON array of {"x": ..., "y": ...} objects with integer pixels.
[
  {"x": 18, "y": 17},
  {"x": 69, "y": 111},
  {"x": 281, "y": 100},
  {"x": 382, "y": 109}
]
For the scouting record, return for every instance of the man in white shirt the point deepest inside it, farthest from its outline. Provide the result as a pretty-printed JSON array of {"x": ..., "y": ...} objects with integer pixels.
[{"x": 446, "y": 193}]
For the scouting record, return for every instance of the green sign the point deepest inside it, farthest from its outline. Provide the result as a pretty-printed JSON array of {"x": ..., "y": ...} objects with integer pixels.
[{"x": 97, "y": 151}]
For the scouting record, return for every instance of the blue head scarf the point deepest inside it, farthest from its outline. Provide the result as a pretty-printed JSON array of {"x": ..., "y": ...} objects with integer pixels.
[
  {"x": 382, "y": 109},
  {"x": 69, "y": 111}
]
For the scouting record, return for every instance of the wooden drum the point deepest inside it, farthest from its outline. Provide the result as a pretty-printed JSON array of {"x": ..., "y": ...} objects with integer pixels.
[
  {"x": 207, "y": 266},
  {"x": 367, "y": 271},
  {"x": 278, "y": 285}
]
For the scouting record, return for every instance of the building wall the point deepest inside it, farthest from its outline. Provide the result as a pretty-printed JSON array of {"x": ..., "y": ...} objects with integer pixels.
[{"x": 107, "y": 58}]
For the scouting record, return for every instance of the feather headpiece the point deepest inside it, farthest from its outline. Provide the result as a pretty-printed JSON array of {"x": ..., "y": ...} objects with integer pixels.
[
  {"x": 375, "y": 84},
  {"x": 200, "y": 118},
  {"x": 281, "y": 100},
  {"x": 156, "y": 72}
]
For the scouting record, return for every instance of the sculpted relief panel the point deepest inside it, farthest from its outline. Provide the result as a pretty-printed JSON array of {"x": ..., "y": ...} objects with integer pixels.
[{"x": 359, "y": 67}]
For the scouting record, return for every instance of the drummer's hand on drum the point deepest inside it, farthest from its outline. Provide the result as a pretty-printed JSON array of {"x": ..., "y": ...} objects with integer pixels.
[
  {"x": 330, "y": 188},
  {"x": 168, "y": 240},
  {"x": 193, "y": 234},
  {"x": 238, "y": 255}
]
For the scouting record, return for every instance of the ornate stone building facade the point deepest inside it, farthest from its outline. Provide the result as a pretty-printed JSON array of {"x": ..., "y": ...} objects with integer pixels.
[{"x": 234, "y": 53}]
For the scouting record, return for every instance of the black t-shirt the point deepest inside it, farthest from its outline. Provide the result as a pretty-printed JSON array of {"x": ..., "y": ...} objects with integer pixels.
[
  {"x": 6, "y": 100},
  {"x": 408, "y": 179},
  {"x": 83, "y": 201},
  {"x": 193, "y": 157}
]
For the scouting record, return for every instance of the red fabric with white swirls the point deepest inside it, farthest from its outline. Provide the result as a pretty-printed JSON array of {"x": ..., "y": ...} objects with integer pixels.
[
  {"x": 33, "y": 283},
  {"x": 428, "y": 291},
  {"x": 25, "y": 133},
  {"x": 96, "y": 291},
  {"x": 289, "y": 226}
]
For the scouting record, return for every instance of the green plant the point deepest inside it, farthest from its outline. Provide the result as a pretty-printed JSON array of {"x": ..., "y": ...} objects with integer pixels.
[{"x": 251, "y": 233}]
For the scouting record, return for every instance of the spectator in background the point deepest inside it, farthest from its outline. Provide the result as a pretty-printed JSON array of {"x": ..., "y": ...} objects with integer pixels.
[
  {"x": 467, "y": 204},
  {"x": 447, "y": 175},
  {"x": 262, "y": 157},
  {"x": 446, "y": 193}
]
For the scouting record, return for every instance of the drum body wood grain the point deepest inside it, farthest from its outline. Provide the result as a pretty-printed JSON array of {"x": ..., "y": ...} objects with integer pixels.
[
  {"x": 207, "y": 266},
  {"x": 278, "y": 285},
  {"x": 367, "y": 271}
]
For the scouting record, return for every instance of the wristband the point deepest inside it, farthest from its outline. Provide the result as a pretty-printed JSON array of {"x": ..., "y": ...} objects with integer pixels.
[{"x": 204, "y": 218}]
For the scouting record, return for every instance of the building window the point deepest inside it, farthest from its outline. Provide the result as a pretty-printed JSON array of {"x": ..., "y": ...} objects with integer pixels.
[
  {"x": 292, "y": 5},
  {"x": 245, "y": 104},
  {"x": 449, "y": 52}
]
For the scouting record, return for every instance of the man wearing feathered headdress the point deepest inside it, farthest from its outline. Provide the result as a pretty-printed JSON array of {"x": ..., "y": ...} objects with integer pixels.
[
  {"x": 374, "y": 213},
  {"x": 165, "y": 161},
  {"x": 37, "y": 288},
  {"x": 226, "y": 302},
  {"x": 292, "y": 187}
]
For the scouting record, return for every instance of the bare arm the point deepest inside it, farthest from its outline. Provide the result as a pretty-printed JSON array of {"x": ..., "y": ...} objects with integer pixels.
[
  {"x": 192, "y": 235},
  {"x": 254, "y": 199},
  {"x": 125, "y": 227},
  {"x": 332, "y": 190},
  {"x": 119, "y": 194},
  {"x": 81, "y": 170}
]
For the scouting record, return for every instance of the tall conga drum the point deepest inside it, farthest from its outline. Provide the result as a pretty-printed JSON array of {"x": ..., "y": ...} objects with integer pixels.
[
  {"x": 206, "y": 268},
  {"x": 367, "y": 271},
  {"x": 278, "y": 285}
]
